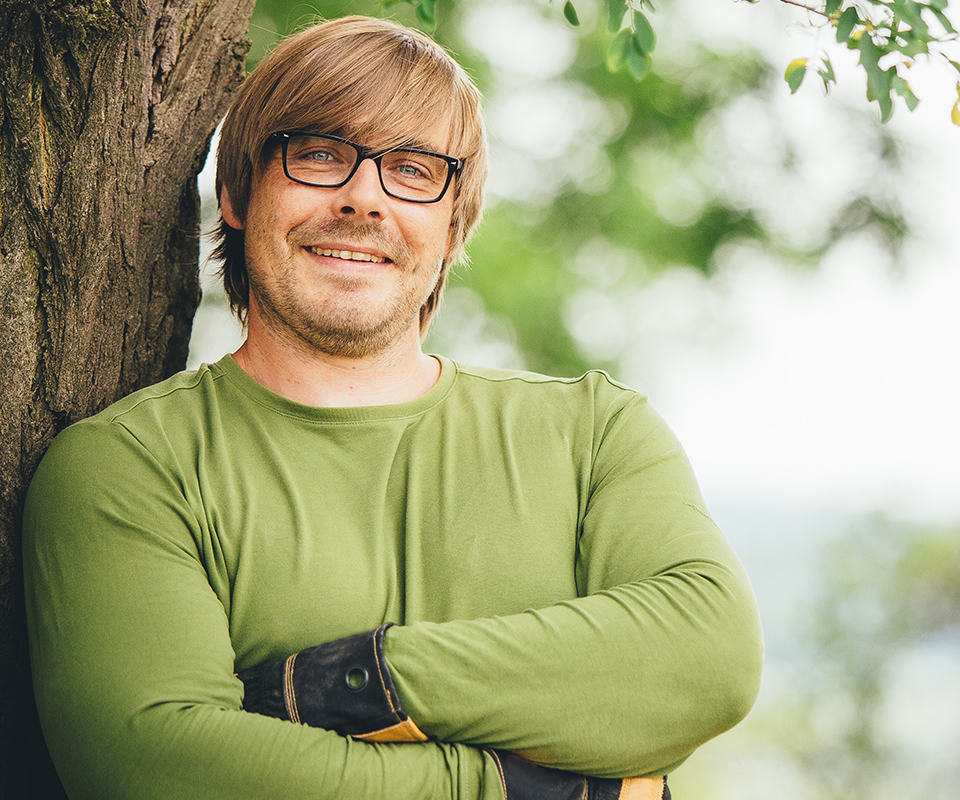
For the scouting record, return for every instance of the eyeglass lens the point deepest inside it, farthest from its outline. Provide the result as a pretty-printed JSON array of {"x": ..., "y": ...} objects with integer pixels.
[{"x": 406, "y": 174}]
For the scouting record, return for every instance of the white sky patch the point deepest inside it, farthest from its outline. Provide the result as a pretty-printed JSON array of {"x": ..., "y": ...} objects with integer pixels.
[{"x": 835, "y": 388}]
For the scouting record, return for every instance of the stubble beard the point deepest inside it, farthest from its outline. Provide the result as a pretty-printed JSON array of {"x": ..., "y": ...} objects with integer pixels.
[{"x": 342, "y": 322}]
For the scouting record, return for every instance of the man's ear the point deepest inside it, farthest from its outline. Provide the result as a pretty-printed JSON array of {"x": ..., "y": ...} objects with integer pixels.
[{"x": 226, "y": 210}]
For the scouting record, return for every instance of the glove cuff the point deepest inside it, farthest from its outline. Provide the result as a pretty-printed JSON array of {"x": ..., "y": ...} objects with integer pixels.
[
  {"x": 263, "y": 689},
  {"x": 524, "y": 780},
  {"x": 643, "y": 789},
  {"x": 342, "y": 685}
]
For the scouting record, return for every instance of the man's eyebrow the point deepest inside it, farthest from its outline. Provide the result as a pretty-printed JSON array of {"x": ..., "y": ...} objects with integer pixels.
[
  {"x": 405, "y": 144},
  {"x": 419, "y": 144},
  {"x": 416, "y": 144}
]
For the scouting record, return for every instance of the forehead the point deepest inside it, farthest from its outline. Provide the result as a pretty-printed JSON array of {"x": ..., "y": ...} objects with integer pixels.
[{"x": 429, "y": 133}]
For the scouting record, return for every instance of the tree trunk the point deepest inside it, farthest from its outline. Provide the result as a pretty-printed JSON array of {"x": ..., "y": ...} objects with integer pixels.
[{"x": 107, "y": 107}]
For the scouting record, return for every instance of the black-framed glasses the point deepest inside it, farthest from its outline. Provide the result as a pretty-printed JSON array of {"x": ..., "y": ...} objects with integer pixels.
[{"x": 320, "y": 159}]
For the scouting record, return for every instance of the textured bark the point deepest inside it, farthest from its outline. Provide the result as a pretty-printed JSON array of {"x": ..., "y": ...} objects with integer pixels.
[{"x": 107, "y": 107}]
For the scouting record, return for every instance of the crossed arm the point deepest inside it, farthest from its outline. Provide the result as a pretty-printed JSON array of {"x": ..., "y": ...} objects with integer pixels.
[{"x": 134, "y": 667}]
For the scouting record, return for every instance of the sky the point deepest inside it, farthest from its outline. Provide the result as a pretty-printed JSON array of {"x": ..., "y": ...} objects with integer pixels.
[{"x": 835, "y": 388}]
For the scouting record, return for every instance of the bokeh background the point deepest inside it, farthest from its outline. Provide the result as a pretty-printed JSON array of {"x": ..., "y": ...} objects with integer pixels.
[{"x": 780, "y": 275}]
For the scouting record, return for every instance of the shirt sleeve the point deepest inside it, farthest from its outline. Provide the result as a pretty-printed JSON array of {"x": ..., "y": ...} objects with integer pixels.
[
  {"x": 132, "y": 660},
  {"x": 662, "y": 651}
]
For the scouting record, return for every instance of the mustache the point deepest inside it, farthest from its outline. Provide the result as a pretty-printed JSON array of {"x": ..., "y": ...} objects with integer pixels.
[{"x": 360, "y": 234}]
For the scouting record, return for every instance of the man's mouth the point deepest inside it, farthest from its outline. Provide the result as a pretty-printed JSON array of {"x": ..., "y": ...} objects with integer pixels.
[{"x": 347, "y": 255}]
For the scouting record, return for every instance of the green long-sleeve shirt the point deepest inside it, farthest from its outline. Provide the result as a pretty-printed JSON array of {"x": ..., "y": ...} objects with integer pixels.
[{"x": 559, "y": 588}]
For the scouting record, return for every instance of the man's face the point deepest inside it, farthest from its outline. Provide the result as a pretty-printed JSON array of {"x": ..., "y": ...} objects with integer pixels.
[{"x": 340, "y": 271}]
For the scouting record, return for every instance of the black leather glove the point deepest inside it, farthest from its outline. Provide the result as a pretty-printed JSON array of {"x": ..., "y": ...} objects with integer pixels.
[
  {"x": 523, "y": 780},
  {"x": 343, "y": 686}
]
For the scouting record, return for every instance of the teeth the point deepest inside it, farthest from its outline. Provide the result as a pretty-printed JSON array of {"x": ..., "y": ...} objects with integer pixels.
[{"x": 349, "y": 255}]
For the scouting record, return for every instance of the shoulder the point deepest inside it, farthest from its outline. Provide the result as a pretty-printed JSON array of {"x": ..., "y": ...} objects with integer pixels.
[
  {"x": 594, "y": 381},
  {"x": 594, "y": 391},
  {"x": 611, "y": 426},
  {"x": 143, "y": 424},
  {"x": 176, "y": 394}
]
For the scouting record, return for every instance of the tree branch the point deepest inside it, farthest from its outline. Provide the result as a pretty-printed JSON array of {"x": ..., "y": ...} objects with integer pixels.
[{"x": 805, "y": 7}]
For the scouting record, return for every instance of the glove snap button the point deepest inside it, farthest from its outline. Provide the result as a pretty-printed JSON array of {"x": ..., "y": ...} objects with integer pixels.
[{"x": 356, "y": 679}]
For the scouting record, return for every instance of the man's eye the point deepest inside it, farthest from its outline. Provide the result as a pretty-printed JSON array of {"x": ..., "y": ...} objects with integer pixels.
[
  {"x": 317, "y": 155},
  {"x": 411, "y": 171},
  {"x": 414, "y": 169}
]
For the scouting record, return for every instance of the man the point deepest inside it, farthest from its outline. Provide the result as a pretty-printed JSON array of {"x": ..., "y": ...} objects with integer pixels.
[{"x": 216, "y": 558}]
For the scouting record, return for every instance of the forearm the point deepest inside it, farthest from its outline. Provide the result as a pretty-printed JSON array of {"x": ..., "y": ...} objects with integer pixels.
[
  {"x": 625, "y": 682},
  {"x": 173, "y": 752},
  {"x": 346, "y": 685}
]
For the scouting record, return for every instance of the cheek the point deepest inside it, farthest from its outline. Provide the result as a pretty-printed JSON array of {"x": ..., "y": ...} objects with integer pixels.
[
  {"x": 272, "y": 225},
  {"x": 434, "y": 231},
  {"x": 280, "y": 205}
]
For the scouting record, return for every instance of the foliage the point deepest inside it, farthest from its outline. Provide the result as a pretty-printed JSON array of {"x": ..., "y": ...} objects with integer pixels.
[
  {"x": 894, "y": 32},
  {"x": 633, "y": 38}
]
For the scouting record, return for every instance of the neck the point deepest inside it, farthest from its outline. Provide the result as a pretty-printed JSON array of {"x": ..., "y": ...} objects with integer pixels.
[{"x": 398, "y": 374}]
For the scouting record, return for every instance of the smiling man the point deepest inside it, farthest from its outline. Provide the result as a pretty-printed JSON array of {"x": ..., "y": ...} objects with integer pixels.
[{"x": 334, "y": 566}]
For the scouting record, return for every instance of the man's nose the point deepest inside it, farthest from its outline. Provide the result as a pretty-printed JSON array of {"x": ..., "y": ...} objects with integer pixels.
[{"x": 362, "y": 195}]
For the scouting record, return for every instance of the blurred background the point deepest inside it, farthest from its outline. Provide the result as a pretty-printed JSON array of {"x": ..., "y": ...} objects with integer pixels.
[{"x": 780, "y": 275}]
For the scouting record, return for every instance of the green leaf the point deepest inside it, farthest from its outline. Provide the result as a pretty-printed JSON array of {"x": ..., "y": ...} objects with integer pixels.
[
  {"x": 869, "y": 55},
  {"x": 902, "y": 88},
  {"x": 909, "y": 12},
  {"x": 912, "y": 45},
  {"x": 940, "y": 5},
  {"x": 845, "y": 25},
  {"x": 885, "y": 101},
  {"x": 795, "y": 73},
  {"x": 879, "y": 81},
  {"x": 615, "y": 11},
  {"x": 618, "y": 50},
  {"x": 833, "y": 6},
  {"x": 638, "y": 63},
  {"x": 427, "y": 14},
  {"x": 644, "y": 37},
  {"x": 826, "y": 74},
  {"x": 956, "y": 66},
  {"x": 571, "y": 14}
]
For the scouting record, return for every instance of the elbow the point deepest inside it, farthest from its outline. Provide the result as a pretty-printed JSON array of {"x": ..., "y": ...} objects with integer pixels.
[
  {"x": 732, "y": 672},
  {"x": 717, "y": 680},
  {"x": 737, "y": 695},
  {"x": 730, "y": 656},
  {"x": 716, "y": 693}
]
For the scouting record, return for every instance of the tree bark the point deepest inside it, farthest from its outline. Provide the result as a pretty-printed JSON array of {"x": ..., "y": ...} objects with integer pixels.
[{"x": 107, "y": 108}]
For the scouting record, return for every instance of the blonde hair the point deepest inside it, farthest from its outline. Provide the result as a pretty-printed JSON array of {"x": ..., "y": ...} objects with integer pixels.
[{"x": 367, "y": 79}]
